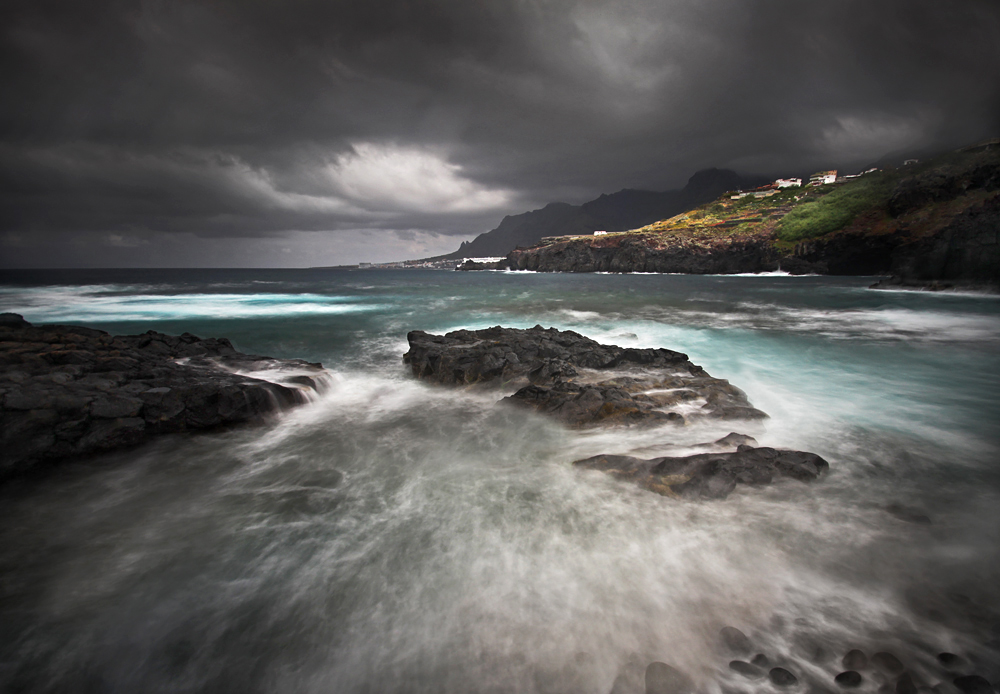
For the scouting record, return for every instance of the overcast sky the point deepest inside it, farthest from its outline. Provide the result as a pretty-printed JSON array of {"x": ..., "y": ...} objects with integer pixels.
[{"x": 302, "y": 133}]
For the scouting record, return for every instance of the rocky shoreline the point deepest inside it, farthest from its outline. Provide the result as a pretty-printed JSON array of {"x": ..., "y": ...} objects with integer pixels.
[
  {"x": 68, "y": 391},
  {"x": 936, "y": 225},
  {"x": 585, "y": 384},
  {"x": 856, "y": 670}
]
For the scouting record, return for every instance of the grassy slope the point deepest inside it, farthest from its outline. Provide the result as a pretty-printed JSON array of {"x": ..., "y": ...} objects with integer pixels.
[{"x": 796, "y": 214}]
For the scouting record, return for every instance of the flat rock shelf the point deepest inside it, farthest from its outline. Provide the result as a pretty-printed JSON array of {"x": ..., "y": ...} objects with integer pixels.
[
  {"x": 69, "y": 391},
  {"x": 575, "y": 379},
  {"x": 584, "y": 384}
]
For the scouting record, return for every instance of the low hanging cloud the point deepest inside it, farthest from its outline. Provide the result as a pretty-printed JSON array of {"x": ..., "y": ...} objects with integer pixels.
[{"x": 404, "y": 180}]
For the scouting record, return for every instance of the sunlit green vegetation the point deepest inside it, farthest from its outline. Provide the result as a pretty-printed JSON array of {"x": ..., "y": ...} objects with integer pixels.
[{"x": 839, "y": 207}]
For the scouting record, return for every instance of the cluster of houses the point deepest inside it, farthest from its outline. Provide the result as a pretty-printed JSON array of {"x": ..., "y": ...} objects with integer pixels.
[{"x": 820, "y": 178}]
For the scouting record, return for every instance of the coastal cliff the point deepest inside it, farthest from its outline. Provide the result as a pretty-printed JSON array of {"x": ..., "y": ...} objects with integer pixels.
[{"x": 933, "y": 224}]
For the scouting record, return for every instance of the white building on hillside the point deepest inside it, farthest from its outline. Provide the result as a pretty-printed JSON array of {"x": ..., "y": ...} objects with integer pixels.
[
  {"x": 823, "y": 178},
  {"x": 600, "y": 233},
  {"x": 789, "y": 183}
]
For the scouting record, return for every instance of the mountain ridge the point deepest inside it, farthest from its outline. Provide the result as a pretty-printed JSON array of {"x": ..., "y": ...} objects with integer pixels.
[{"x": 628, "y": 208}]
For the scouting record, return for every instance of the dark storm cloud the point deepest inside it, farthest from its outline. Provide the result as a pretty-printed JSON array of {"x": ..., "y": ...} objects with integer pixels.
[{"x": 254, "y": 119}]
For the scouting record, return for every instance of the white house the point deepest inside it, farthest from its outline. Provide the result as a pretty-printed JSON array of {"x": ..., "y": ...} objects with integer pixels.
[
  {"x": 789, "y": 183},
  {"x": 600, "y": 233},
  {"x": 823, "y": 178}
]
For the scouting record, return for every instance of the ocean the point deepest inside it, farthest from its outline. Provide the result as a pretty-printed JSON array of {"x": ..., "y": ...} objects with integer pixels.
[{"x": 393, "y": 536}]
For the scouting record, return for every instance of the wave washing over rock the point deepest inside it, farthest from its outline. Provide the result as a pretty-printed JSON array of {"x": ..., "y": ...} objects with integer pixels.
[
  {"x": 69, "y": 391},
  {"x": 401, "y": 536},
  {"x": 584, "y": 384}
]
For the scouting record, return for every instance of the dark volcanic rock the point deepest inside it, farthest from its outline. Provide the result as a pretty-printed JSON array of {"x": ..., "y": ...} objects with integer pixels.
[
  {"x": 905, "y": 684},
  {"x": 584, "y": 383},
  {"x": 710, "y": 475},
  {"x": 952, "y": 662},
  {"x": 849, "y": 679},
  {"x": 644, "y": 253},
  {"x": 782, "y": 677},
  {"x": 910, "y": 515},
  {"x": 69, "y": 391},
  {"x": 855, "y": 660},
  {"x": 734, "y": 640},
  {"x": 576, "y": 379},
  {"x": 973, "y": 684},
  {"x": 887, "y": 662},
  {"x": 965, "y": 253},
  {"x": 665, "y": 679}
]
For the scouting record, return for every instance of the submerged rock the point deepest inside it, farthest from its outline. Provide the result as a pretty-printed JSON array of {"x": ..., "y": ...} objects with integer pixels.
[
  {"x": 575, "y": 379},
  {"x": 908, "y": 514},
  {"x": 973, "y": 684},
  {"x": 68, "y": 391},
  {"x": 952, "y": 662},
  {"x": 665, "y": 679},
  {"x": 849, "y": 679},
  {"x": 887, "y": 662},
  {"x": 584, "y": 383},
  {"x": 710, "y": 475},
  {"x": 734, "y": 640},
  {"x": 905, "y": 684},
  {"x": 855, "y": 660},
  {"x": 782, "y": 677}
]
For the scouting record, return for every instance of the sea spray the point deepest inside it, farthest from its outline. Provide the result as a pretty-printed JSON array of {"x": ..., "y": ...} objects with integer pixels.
[{"x": 396, "y": 536}]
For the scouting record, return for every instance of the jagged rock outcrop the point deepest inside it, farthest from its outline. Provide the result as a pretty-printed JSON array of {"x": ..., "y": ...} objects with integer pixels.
[
  {"x": 710, "y": 475},
  {"x": 70, "y": 391},
  {"x": 575, "y": 379}
]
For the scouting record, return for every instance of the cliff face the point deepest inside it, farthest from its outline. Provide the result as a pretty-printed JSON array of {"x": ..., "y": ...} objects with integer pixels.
[
  {"x": 626, "y": 209},
  {"x": 648, "y": 254},
  {"x": 966, "y": 250},
  {"x": 936, "y": 222}
]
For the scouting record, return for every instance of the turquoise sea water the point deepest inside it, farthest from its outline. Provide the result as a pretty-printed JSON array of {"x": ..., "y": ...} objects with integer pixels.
[{"x": 395, "y": 537}]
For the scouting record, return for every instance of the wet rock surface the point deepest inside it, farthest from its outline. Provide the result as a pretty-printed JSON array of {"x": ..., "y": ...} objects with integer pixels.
[
  {"x": 585, "y": 384},
  {"x": 67, "y": 391},
  {"x": 914, "y": 671},
  {"x": 666, "y": 679},
  {"x": 849, "y": 679},
  {"x": 575, "y": 379},
  {"x": 710, "y": 475}
]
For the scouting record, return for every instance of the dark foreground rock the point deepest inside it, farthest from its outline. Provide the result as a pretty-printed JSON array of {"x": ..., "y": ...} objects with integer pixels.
[
  {"x": 710, "y": 475},
  {"x": 70, "y": 391},
  {"x": 575, "y": 379}
]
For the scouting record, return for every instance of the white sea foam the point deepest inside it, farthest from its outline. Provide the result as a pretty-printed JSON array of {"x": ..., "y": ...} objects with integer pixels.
[
  {"x": 94, "y": 304},
  {"x": 398, "y": 537}
]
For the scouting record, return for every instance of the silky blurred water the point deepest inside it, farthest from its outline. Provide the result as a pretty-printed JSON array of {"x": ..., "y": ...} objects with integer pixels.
[{"x": 396, "y": 537}]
